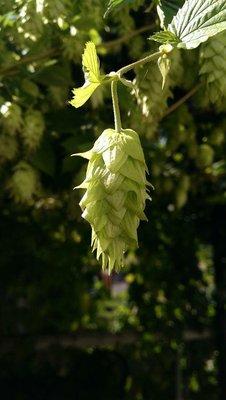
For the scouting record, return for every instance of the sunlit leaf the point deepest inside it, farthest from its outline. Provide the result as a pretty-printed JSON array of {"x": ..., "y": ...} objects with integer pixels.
[
  {"x": 165, "y": 37},
  {"x": 91, "y": 62},
  {"x": 198, "y": 20},
  {"x": 115, "y": 3},
  {"x": 167, "y": 9},
  {"x": 82, "y": 94},
  {"x": 92, "y": 76}
]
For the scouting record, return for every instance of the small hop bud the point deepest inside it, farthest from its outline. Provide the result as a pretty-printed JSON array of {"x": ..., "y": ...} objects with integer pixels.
[{"x": 116, "y": 191}]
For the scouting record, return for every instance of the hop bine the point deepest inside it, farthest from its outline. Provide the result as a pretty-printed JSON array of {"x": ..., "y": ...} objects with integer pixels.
[{"x": 116, "y": 191}]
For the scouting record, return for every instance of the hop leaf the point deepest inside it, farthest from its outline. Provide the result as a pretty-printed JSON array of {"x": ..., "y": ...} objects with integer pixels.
[
  {"x": 166, "y": 10},
  {"x": 165, "y": 37},
  {"x": 91, "y": 63},
  {"x": 198, "y": 20},
  {"x": 82, "y": 94},
  {"x": 92, "y": 75},
  {"x": 114, "y": 4},
  {"x": 115, "y": 194}
]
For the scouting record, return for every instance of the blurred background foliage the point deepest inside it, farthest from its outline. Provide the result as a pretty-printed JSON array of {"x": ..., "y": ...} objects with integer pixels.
[{"x": 157, "y": 330}]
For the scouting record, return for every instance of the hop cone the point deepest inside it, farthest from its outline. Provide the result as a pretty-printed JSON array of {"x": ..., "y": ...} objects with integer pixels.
[
  {"x": 12, "y": 118},
  {"x": 24, "y": 184},
  {"x": 151, "y": 98},
  {"x": 213, "y": 69},
  {"x": 115, "y": 194},
  {"x": 33, "y": 129},
  {"x": 8, "y": 148}
]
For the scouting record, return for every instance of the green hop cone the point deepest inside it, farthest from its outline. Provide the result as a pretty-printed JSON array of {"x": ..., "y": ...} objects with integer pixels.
[
  {"x": 150, "y": 94},
  {"x": 12, "y": 118},
  {"x": 8, "y": 148},
  {"x": 24, "y": 184},
  {"x": 213, "y": 70},
  {"x": 33, "y": 129},
  {"x": 116, "y": 191},
  {"x": 205, "y": 156}
]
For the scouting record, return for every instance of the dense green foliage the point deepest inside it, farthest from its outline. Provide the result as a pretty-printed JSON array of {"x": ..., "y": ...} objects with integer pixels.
[{"x": 50, "y": 282}]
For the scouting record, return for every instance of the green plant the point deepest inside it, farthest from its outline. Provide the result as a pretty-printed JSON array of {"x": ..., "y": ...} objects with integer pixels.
[{"x": 114, "y": 155}]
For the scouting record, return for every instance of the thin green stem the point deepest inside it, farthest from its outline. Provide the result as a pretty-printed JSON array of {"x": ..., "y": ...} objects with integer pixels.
[
  {"x": 143, "y": 61},
  {"x": 118, "y": 75},
  {"x": 117, "y": 117}
]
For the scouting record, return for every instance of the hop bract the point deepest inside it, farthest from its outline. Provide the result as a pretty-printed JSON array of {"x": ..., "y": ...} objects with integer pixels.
[{"x": 115, "y": 195}]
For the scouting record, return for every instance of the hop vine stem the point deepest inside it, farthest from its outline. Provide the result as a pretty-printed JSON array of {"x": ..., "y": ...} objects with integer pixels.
[
  {"x": 115, "y": 102},
  {"x": 142, "y": 61},
  {"x": 114, "y": 83}
]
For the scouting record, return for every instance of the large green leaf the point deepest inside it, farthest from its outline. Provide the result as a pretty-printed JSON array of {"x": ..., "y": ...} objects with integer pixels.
[
  {"x": 198, "y": 20},
  {"x": 167, "y": 9}
]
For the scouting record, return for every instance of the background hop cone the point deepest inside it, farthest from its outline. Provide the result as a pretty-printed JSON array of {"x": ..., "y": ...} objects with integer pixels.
[
  {"x": 151, "y": 96},
  {"x": 24, "y": 184},
  {"x": 33, "y": 129},
  {"x": 115, "y": 195},
  {"x": 213, "y": 69}
]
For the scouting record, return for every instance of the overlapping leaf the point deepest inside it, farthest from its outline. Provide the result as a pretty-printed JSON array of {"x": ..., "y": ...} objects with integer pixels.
[
  {"x": 115, "y": 3},
  {"x": 165, "y": 37},
  {"x": 167, "y": 9}
]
